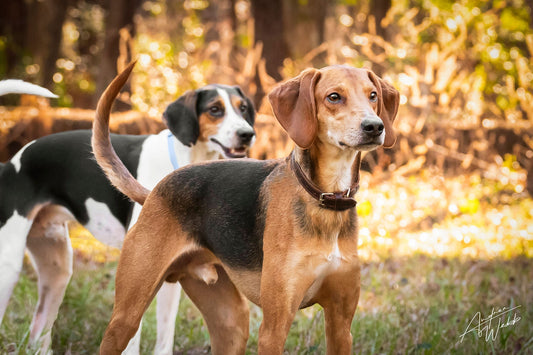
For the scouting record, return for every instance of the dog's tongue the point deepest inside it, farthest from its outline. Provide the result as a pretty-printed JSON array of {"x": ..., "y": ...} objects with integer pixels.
[{"x": 236, "y": 152}]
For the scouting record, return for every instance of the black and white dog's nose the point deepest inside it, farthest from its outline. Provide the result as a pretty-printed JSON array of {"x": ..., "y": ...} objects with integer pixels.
[
  {"x": 245, "y": 135},
  {"x": 372, "y": 126}
]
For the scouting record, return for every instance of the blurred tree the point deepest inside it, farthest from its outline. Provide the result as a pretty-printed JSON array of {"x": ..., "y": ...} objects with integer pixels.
[
  {"x": 270, "y": 30},
  {"x": 32, "y": 28},
  {"x": 12, "y": 36},
  {"x": 304, "y": 25},
  {"x": 220, "y": 26},
  {"x": 378, "y": 11},
  {"x": 45, "y": 25},
  {"x": 218, "y": 16},
  {"x": 119, "y": 15}
]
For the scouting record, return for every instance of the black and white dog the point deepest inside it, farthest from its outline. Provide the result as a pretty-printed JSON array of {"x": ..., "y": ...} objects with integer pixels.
[{"x": 55, "y": 179}]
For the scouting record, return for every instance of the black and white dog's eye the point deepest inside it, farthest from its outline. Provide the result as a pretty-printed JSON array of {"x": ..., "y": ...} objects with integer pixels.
[
  {"x": 243, "y": 108},
  {"x": 215, "y": 110},
  {"x": 373, "y": 96},
  {"x": 334, "y": 98}
]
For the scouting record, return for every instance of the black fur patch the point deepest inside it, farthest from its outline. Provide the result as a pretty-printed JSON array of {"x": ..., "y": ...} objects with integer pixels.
[
  {"x": 220, "y": 205},
  {"x": 61, "y": 169}
]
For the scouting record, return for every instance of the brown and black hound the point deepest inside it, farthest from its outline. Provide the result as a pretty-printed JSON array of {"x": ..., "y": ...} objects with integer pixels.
[{"x": 281, "y": 233}]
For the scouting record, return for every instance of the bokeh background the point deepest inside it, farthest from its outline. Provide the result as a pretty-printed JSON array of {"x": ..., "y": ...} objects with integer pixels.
[{"x": 446, "y": 216}]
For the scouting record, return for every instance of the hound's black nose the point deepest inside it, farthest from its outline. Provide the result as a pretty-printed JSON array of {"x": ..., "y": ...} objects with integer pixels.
[
  {"x": 245, "y": 135},
  {"x": 372, "y": 126}
]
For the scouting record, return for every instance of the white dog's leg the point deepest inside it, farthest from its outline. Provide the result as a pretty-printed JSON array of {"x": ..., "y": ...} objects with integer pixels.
[
  {"x": 134, "y": 346},
  {"x": 168, "y": 301},
  {"x": 51, "y": 254},
  {"x": 13, "y": 236}
]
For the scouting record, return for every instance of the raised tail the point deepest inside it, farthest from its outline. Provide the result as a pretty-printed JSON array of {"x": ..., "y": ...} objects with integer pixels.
[{"x": 105, "y": 155}]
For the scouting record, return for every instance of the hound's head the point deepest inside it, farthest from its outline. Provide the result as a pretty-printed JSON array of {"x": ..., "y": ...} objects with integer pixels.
[
  {"x": 220, "y": 116},
  {"x": 342, "y": 106}
]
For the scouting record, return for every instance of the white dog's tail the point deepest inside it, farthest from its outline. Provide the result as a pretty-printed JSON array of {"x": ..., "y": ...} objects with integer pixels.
[
  {"x": 105, "y": 155},
  {"x": 14, "y": 86}
]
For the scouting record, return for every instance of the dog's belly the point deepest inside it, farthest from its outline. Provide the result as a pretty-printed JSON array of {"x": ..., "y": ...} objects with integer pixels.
[
  {"x": 103, "y": 225},
  {"x": 248, "y": 282},
  {"x": 320, "y": 266}
]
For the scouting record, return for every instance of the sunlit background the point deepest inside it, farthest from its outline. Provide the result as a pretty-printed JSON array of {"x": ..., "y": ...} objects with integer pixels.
[
  {"x": 459, "y": 66},
  {"x": 445, "y": 217}
]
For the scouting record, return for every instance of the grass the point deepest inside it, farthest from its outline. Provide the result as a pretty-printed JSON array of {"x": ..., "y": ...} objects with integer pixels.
[
  {"x": 435, "y": 252},
  {"x": 409, "y": 305}
]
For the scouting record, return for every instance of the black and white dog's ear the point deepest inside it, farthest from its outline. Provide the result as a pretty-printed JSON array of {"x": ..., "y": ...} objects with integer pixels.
[
  {"x": 181, "y": 118},
  {"x": 249, "y": 115}
]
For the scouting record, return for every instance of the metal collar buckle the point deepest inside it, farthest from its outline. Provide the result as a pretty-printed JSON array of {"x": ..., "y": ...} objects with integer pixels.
[{"x": 322, "y": 195}]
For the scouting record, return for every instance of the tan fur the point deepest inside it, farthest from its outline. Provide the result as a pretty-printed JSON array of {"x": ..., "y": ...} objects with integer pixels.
[
  {"x": 209, "y": 126},
  {"x": 309, "y": 253}
]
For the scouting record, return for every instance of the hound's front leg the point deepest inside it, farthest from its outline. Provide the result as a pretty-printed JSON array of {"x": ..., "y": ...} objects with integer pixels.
[
  {"x": 339, "y": 296},
  {"x": 282, "y": 292}
]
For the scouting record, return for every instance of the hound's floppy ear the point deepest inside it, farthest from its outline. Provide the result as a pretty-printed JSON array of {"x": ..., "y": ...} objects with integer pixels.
[
  {"x": 293, "y": 103},
  {"x": 249, "y": 115},
  {"x": 389, "y": 101},
  {"x": 181, "y": 118}
]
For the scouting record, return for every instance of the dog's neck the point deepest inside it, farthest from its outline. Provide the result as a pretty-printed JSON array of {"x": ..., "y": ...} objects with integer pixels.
[
  {"x": 201, "y": 151},
  {"x": 329, "y": 167}
]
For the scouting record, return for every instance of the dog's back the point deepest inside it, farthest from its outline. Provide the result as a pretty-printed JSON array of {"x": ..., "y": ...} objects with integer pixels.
[
  {"x": 54, "y": 169},
  {"x": 214, "y": 200}
]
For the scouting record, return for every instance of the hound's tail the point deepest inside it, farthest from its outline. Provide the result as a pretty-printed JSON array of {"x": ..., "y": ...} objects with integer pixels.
[{"x": 105, "y": 155}]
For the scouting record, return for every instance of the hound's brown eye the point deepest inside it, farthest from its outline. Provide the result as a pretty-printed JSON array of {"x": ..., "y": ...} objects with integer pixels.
[
  {"x": 373, "y": 96},
  {"x": 334, "y": 98},
  {"x": 243, "y": 108}
]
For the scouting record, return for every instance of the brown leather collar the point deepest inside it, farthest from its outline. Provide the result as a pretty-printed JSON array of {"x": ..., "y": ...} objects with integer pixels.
[{"x": 338, "y": 200}]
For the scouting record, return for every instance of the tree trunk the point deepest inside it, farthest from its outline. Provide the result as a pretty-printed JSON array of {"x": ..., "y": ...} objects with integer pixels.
[
  {"x": 119, "y": 15},
  {"x": 218, "y": 19},
  {"x": 304, "y": 25},
  {"x": 45, "y": 27},
  {"x": 269, "y": 29},
  {"x": 13, "y": 26},
  {"x": 379, "y": 9}
]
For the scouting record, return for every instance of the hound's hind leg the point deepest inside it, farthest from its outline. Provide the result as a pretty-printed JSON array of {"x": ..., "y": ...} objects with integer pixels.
[
  {"x": 51, "y": 253},
  {"x": 225, "y": 310},
  {"x": 13, "y": 235},
  {"x": 153, "y": 249}
]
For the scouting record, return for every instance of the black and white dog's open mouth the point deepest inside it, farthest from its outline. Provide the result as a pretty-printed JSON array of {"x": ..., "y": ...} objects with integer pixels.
[{"x": 239, "y": 152}]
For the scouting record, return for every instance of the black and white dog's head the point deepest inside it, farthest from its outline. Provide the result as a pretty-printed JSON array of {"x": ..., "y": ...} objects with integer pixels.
[{"x": 220, "y": 116}]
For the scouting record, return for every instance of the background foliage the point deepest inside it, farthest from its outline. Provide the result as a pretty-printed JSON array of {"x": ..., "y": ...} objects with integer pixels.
[
  {"x": 445, "y": 218},
  {"x": 460, "y": 60}
]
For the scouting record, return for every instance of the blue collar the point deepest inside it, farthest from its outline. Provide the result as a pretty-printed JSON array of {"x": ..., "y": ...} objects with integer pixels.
[{"x": 172, "y": 151}]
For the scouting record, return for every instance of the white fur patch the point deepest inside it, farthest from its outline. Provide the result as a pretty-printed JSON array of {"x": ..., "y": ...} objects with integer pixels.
[
  {"x": 12, "y": 244},
  {"x": 227, "y": 133},
  {"x": 155, "y": 164},
  {"x": 103, "y": 225},
  {"x": 13, "y": 239},
  {"x": 14, "y": 86},
  {"x": 154, "y": 161},
  {"x": 16, "y": 158}
]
